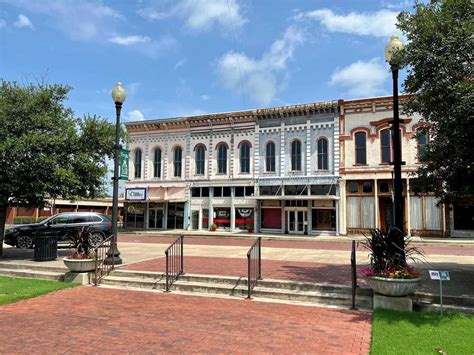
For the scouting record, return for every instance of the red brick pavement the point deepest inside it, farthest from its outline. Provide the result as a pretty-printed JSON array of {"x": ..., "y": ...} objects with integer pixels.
[
  {"x": 292, "y": 244},
  {"x": 89, "y": 319},
  {"x": 271, "y": 269}
]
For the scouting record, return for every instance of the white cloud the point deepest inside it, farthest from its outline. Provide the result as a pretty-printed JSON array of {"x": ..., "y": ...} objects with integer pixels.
[
  {"x": 129, "y": 40},
  {"x": 205, "y": 97},
  {"x": 260, "y": 77},
  {"x": 179, "y": 64},
  {"x": 132, "y": 88},
  {"x": 378, "y": 24},
  {"x": 362, "y": 79},
  {"x": 134, "y": 115},
  {"x": 82, "y": 20},
  {"x": 23, "y": 22},
  {"x": 3, "y": 23},
  {"x": 200, "y": 15}
]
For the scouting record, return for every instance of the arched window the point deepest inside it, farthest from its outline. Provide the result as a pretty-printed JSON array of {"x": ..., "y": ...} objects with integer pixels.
[
  {"x": 296, "y": 155},
  {"x": 177, "y": 161},
  {"x": 245, "y": 158},
  {"x": 385, "y": 146},
  {"x": 222, "y": 159},
  {"x": 323, "y": 154},
  {"x": 360, "y": 147},
  {"x": 200, "y": 160},
  {"x": 137, "y": 163},
  {"x": 270, "y": 157},
  {"x": 157, "y": 163},
  {"x": 422, "y": 140}
]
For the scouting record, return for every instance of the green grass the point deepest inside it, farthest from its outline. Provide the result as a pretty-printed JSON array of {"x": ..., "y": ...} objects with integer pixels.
[
  {"x": 13, "y": 289},
  {"x": 422, "y": 333}
]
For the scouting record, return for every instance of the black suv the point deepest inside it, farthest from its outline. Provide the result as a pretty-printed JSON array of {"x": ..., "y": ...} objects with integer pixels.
[{"x": 62, "y": 225}]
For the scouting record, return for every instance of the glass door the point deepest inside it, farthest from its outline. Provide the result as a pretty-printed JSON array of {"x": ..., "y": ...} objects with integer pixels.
[
  {"x": 301, "y": 221},
  {"x": 155, "y": 218},
  {"x": 297, "y": 221}
]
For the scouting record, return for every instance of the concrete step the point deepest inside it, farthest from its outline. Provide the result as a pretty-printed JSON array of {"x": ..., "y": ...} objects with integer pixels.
[
  {"x": 232, "y": 280},
  {"x": 32, "y": 266},
  {"x": 239, "y": 289},
  {"x": 428, "y": 298},
  {"x": 33, "y": 274}
]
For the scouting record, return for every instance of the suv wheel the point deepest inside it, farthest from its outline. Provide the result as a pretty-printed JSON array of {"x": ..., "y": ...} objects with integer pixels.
[
  {"x": 95, "y": 239},
  {"x": 24, "y": 242}
]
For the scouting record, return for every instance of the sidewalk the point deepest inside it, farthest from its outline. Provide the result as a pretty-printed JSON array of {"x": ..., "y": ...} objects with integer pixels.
[{"x": 323, "y": 237}]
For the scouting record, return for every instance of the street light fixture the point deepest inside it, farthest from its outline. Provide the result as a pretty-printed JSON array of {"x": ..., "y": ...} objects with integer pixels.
[
  {"x": 392, "y": 52},
  {"x": 118, "y": 95}
]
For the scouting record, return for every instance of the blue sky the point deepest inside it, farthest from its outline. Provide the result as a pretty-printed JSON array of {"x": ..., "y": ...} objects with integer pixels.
[{"x": 187, "y": 57}]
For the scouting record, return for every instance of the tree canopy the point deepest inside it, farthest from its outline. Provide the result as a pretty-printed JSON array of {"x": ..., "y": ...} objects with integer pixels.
[
  {"x": 45, "y": 152},
  {"x": 439, "y": 58}
]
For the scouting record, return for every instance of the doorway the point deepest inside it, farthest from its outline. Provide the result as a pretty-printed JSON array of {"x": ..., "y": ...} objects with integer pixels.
[
  {"x": 297, "y": 221},
  {"x": 155, "y": 218}
]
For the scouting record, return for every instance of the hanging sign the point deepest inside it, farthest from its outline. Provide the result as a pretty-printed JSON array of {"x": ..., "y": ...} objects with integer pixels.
[{"x": 123, "y": 164}]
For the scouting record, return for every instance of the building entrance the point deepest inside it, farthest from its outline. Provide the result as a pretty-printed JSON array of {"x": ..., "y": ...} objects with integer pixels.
[
  {"x": 297, "y": 221},
  {"x": 155, "y": 218}
]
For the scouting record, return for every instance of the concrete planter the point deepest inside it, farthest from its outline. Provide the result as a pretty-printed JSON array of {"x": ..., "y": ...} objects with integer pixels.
[
  {"x": 80, "y": 265},
  {"x": 393, "y": 287}
]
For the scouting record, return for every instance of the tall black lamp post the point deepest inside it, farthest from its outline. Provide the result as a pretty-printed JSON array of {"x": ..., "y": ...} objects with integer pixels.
[
  {"x": 394, "y": 46},
  {"x": 118, "y": 95}
]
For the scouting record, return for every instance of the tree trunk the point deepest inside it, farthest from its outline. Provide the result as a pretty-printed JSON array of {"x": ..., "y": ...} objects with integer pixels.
[{"x": 3, "y": 217}]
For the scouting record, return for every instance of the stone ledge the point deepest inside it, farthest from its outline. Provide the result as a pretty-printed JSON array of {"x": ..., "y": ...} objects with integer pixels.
[{"x": 402, "y": 303}]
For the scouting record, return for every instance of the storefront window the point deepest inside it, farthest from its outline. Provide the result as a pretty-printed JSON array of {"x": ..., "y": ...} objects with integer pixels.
[
  {"x": 323, "y": 190},
  {"x": 324, "y": 219},
  {"x": 271, "y": 218},
  {"x": 244, "y": 218},
  {"x": 296, "y": 190},
  {"x": 135, "y": 216},
  {"x": 222, "y": 217},
  {"x": 270, "y": 190},
  {"x": 176, "y": 215}
]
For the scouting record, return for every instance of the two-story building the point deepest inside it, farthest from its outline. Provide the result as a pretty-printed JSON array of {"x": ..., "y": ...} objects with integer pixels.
[{"x": 366, "y": 173}]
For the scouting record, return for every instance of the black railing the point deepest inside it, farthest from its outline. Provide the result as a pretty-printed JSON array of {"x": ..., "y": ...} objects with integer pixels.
[
  {"x": 103, "y": 268},
  {"x": 174, "y": 262},
  {"x": 254, "y": 263},
  {"x": 353, "y": 274}
]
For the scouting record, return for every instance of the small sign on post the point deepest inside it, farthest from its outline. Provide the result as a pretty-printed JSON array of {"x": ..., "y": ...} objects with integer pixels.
[{"x": 441, "y": 276}]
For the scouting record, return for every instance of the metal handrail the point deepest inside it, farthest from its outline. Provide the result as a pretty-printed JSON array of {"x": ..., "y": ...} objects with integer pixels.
[
  {"x": 353, "y": 274},
  {"x": 174, "y": 261},
  {"x": 254, "y": 265},
  {"x": 102, "y": 269}
]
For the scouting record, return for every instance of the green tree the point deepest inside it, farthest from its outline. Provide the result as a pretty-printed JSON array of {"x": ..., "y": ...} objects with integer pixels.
[
  {"x": 44, "y": 151},
  {"x": 439, "y": 57}
]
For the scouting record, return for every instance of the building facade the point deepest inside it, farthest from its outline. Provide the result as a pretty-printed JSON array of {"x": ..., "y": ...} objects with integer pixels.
[
  {"x": 366, "y": 173},
  {"x": 310, "y": 169}
]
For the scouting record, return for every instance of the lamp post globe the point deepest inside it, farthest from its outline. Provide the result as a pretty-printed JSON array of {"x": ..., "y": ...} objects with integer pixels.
[
  {"x": 392, "y": 51},
  {"x": 119, "y": 94},
  {"x": 392, "y": 47}
]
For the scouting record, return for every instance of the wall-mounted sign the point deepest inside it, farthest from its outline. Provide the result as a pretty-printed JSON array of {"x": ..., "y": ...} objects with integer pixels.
[
  {"x": 135, "y": 194},
  {"x": 123, "y": 164}
]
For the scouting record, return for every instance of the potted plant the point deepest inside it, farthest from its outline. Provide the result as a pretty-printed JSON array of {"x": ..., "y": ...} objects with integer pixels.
[
  {"x": 83, "y": 257},
  {"x": 213, "y": 227},
  {"x": 389, "y": 273},
  {"x": 249, "y": 227}
]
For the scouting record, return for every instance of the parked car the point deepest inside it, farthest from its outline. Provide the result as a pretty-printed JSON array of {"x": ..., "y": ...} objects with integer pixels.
[{"x": 62, "y": 225}]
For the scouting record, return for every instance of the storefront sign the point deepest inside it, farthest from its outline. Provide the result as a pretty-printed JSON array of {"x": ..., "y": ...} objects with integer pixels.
[
  {"x": 123, "y": 164},
  {"x": 135, "y": 194}
]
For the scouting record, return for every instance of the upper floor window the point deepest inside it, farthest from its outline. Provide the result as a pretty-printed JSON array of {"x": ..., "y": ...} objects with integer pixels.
[
  {"x": 422, "y": 140},
  {"x": 385, "y": 146},
  {"x": 296, "y": 155},
  {"x": 245, "y": 158},
  {"x": 157, "y": 163},
  {"x": 323, "y": 154},
  {"x": 360, "y": 147},
  {"x": 177, "y": 161},
  {"x": 137, "y": 163},
  {"x": 270, "y": 157},
  {"x": 222, "y": 158},
  {"x": 200, "y": 160}
]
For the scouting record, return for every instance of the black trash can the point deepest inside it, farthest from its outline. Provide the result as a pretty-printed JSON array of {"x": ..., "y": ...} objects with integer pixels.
[{"x": 46, "y": 247}]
